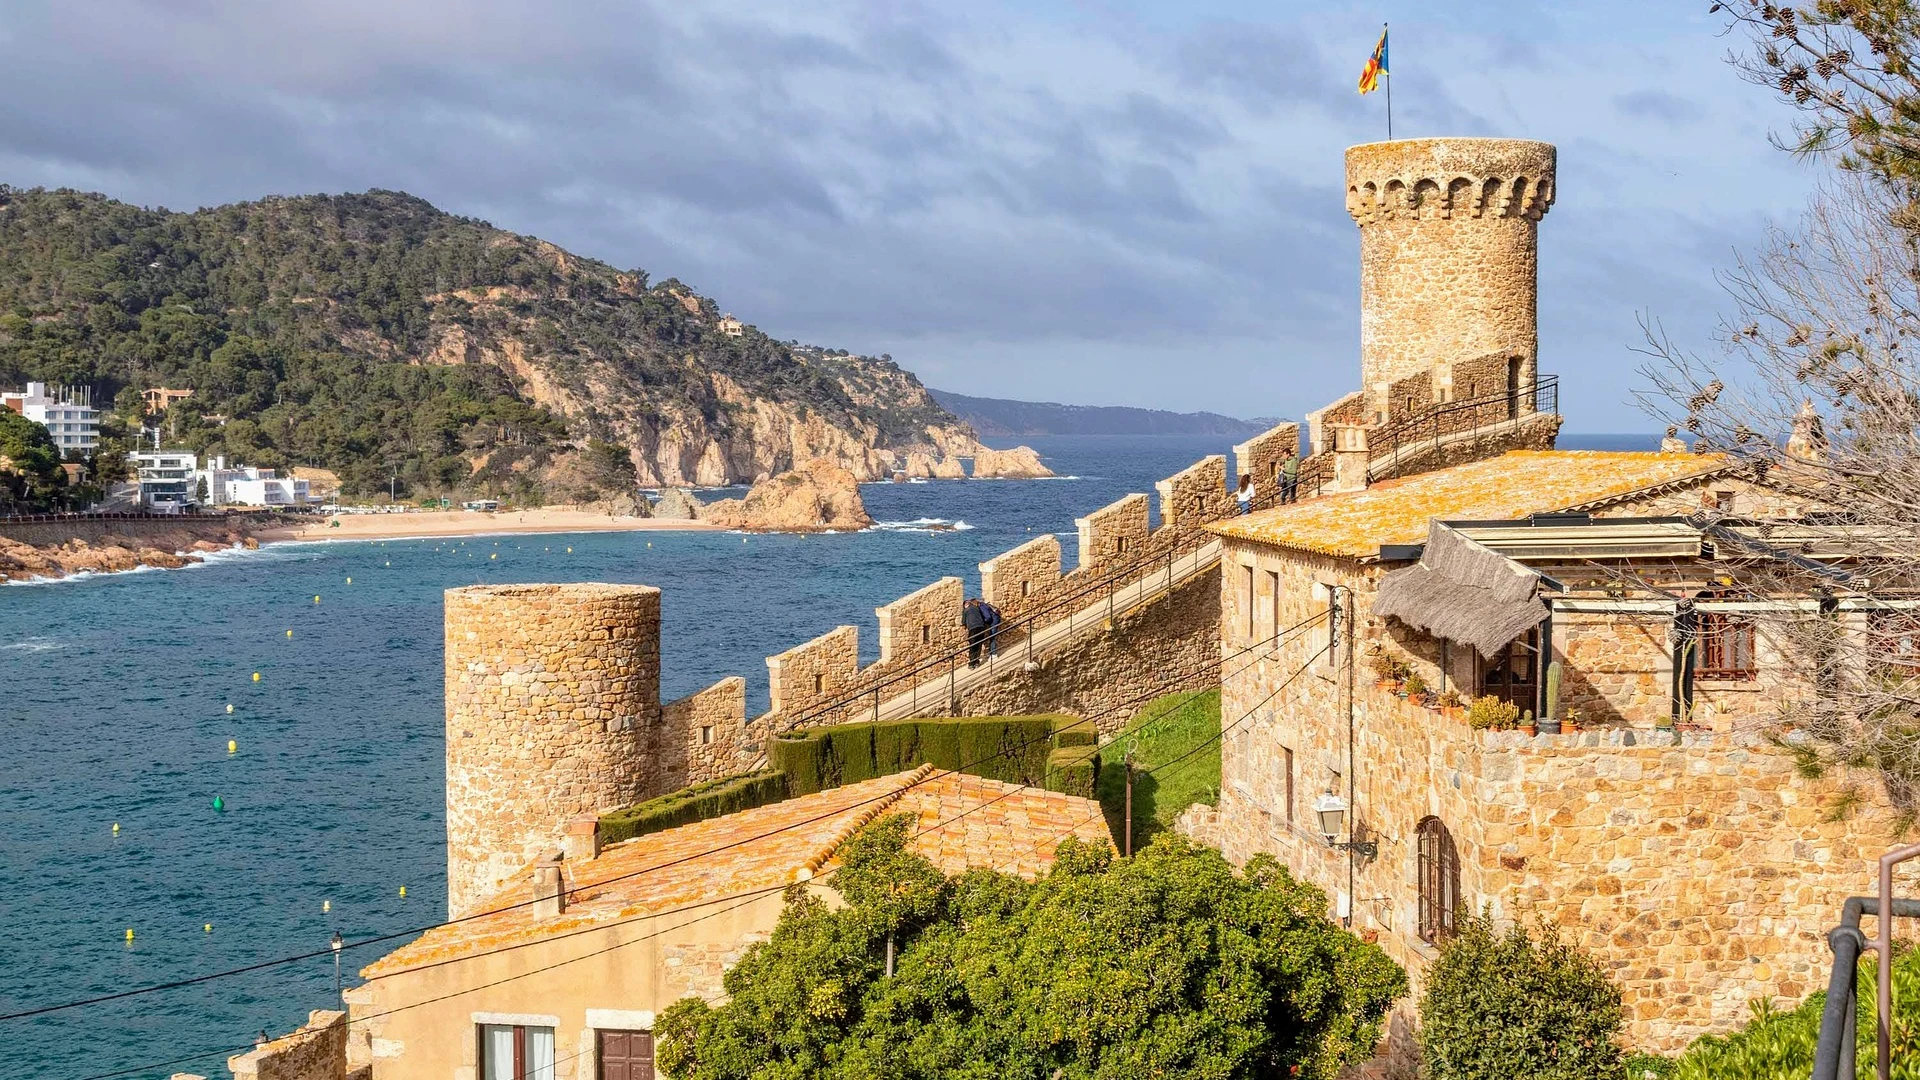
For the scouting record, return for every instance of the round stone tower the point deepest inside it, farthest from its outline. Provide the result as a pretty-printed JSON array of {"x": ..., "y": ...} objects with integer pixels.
[
  {"x": 1448, "y": 259},
  {"x": 551, "y": 692}
]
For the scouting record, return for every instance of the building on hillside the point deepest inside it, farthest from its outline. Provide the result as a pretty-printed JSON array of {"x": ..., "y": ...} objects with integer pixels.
[
  {"x": 168, "y": 479},
  {"x": 1662, "y": 830},
  {"x": 159, "y": 399},
  {"x": 564, "y": 971},
  {"x": 66, "y": 412}
]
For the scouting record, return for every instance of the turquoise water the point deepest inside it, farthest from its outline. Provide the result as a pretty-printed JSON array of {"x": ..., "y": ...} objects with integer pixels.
[{"x": 113, "y": 708}]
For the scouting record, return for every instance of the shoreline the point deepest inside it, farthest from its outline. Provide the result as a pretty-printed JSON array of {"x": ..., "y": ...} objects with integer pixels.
[{"x": 456, "y": 523}]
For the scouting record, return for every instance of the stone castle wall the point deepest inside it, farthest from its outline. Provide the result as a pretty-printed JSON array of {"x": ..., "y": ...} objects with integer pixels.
[
  {"x": 553, "y": 710},
  {"x": 317, "y": 1051},
  {"x": 1700, "y": 868},
  {"x": 1448, "y": 254},
  {"x": 711, "y": 725}
]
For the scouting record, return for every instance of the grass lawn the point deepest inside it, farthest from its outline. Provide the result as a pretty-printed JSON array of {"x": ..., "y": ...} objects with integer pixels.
[{"x": 1165, "y": 729}]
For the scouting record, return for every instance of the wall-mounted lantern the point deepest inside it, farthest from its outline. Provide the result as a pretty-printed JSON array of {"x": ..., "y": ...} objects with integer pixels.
[{"x": 1331, "y": 810}]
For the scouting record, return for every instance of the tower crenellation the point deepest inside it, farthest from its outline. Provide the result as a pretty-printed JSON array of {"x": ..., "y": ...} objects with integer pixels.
[{"x": 1448, "y": 260}]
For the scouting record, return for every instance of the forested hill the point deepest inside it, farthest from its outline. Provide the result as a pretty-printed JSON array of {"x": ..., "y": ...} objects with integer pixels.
[
  {"x": 373, "y": 334},
  {"x": 998, "y": 416}
]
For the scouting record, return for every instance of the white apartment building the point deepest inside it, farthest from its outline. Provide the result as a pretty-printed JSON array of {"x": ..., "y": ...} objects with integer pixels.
[
  {"x": 243, "y": 485},
  {"x": 67, "y": 413},
  {"x": 167, "y": 479}
]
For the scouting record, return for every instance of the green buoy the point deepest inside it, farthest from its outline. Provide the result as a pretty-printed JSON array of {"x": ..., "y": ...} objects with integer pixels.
[{"x": 219, "y": 803}]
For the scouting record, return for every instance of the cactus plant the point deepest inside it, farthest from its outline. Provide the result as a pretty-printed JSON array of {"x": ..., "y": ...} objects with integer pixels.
[{"x": 1550, "y": 717}]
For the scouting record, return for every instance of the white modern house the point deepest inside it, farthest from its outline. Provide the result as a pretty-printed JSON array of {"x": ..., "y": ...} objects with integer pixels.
[
  {"x": 66, "y": 412},
  {"x": 243, "y": 485},
  {"x": 167, "y": 479}
]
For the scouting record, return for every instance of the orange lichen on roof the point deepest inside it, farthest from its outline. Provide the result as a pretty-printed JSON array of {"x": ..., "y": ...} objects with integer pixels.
[
  {"x": 1504, "y": 488},
  {"x": 962, "y": 822}
]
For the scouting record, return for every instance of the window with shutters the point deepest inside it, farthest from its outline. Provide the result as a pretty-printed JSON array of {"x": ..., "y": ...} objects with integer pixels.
[
  {"x": 1726, "y": 646},
  {"x": 1439, "y": 870}
]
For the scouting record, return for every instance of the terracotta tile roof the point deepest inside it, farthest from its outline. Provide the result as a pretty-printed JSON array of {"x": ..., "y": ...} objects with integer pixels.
[
  {"x": 1510, "y": 486},
  {"x": 1019, "y": 833}
]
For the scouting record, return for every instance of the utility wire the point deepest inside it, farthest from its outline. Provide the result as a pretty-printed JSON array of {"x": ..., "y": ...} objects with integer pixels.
[{"x": 415, "y": 932}]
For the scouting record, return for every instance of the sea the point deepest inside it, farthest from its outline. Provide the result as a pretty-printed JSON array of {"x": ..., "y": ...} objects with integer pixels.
[{"x": 219, "y": 767}]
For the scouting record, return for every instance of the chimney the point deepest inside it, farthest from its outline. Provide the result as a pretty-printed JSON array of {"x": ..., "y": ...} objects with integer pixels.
[
  {"x": 583, "y": 838},
  {"x": 549, "y": 887},
  {"x": 1349, "y": 457},
  {"x": 1809, "y": 439}
]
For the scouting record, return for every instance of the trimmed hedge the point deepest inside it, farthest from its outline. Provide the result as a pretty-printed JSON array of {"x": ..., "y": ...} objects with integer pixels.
[
  {"x": 712, "y": 799},
  {"x": 1072, "y": 770},
  {"x": 1074, "y": 731},
  {"x": 1009, "y": 748}
]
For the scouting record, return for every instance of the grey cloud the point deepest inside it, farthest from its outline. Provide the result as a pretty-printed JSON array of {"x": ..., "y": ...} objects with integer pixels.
[
  {"x": 1657, "y": 105},
  {"x": 1080, "y": 211}
]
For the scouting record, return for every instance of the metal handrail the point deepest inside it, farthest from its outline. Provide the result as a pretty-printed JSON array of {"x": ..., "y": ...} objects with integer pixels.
[
  {"x": 1833, "y": 1055},
  {"x": 1543, "y": 393}
]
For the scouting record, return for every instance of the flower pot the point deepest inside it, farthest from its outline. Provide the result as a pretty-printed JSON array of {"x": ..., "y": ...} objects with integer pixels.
[{"x": 1530, "y": 729}]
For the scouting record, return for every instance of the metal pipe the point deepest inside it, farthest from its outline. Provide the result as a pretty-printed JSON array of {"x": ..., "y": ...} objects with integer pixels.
[
  {"x": 1846, "y": 941},
  {"x": 1883, "y": 948}
]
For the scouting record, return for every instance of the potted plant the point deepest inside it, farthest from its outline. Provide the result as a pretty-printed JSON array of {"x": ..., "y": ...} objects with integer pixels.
[
  {"x": 1526, "y": 723},
  {"x": 1414, "y": 688},
  {"x": 1492, "y": 714},
  {"x": 1550, "y": 719},
  {"x": 1388, "y": 670},
  {"x": 1450, "y": 702}
]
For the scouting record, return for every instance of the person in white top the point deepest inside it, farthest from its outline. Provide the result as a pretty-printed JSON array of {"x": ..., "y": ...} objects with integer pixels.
[{"x": 1244, "y": 496}]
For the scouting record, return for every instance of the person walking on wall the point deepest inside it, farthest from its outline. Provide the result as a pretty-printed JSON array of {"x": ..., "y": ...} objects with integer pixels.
[
  {"x": 993, "y": 628},
  {"x": 1244, "y": 496},
  {"x": 1290, "y": 479},
  {"x": 973, "y": 618}
]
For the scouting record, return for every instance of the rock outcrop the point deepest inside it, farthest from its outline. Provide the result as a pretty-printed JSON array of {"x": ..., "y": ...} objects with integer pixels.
[
  {"x": 677, "y": 504},
  {"x": 825, "y": 495},
  {"x": 920, "y": 466},
  {"x": 113, "y": 553},
  {"x": 1019, "y": 463}
]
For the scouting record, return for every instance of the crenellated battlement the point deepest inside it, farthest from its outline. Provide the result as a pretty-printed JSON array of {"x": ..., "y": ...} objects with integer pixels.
[{"x": 1446, "y": 178}]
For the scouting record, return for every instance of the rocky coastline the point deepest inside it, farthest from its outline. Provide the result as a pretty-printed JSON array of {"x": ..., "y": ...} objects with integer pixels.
[{"x": 117, "y": 549}]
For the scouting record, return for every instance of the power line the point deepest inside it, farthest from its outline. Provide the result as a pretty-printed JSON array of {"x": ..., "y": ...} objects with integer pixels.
[{"x": 414, "y": 932}]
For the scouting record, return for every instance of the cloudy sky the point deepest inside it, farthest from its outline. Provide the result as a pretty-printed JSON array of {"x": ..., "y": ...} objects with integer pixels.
[{"x": 1098, "y": 202}]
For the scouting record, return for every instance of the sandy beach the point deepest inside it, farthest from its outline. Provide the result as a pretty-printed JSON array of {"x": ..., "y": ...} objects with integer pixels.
[{"x": 472, "y": 523}]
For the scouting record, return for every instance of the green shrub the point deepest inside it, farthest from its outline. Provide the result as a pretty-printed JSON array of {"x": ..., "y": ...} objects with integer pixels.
[
  {"x": 1075, "y": 731},
  {"x": 1072, "y": 770},
  {"x": 1510, "y": 1007},
  {"x": 1009, "y": 748},
  {"x": 712, "y": 799},
  {"x": 1778, "y": 1044},
  {"x": 1493, "y": 713}
]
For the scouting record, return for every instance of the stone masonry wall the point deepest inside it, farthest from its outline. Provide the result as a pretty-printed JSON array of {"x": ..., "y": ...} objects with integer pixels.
[
  {"x": 1113, "y": 535},
  {"x": 922, "y": 624},
  {"x": 317, "y": 1051},
  {"x": 818, "y": 671},
  {"x": 553, "y": 710},
  {"x": 1023, "y": 579},
  {"x": 1447, "y": 251},
  {"x": 1700, "y": 869},
  {"x": 711, "y": 725},
  {"x": 1263, "y": 456},
  {"x": 1195, "y": 495},
  {"x": 1618, "y": 667}
]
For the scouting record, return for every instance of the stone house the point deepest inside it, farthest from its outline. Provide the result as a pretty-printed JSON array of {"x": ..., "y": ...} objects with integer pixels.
[
  {"x": 561, "y": 974},
  {"x": 1661, "y": 830}
]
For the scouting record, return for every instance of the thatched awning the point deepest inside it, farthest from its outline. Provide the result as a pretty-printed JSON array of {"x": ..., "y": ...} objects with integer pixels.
[{"x": 1465, "y": 592}]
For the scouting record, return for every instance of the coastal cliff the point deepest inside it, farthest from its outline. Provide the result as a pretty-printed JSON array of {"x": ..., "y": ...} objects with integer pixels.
[
  {"x": 819, "y": 497},
  {"x": 411, "y": 350},
  {"x": 118, "y": 546}
]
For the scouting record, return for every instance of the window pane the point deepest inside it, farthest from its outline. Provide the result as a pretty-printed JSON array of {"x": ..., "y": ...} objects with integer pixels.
[
  {"x": 496, "y": 1052},
  {"x": 539, "y": 1053}
]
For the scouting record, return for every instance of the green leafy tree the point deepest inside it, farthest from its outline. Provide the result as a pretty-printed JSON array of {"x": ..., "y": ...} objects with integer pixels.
[
  {"x": 1508, "y": 1006},
  {"x": 1169, "y": 965},
  {"x": 30, "y": 474}
]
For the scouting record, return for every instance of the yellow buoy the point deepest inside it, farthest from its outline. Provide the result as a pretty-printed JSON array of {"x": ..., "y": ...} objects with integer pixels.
[
  {"x": 349, "y": 581},
  {"x": 389, "y": 562},
  {"x": 256, "y": 676},
  {"x": 207, "y": 928},
  {"x": 569, "y": 551},
  {"x": 649, "y": 543},
  {"x": 233, "y": 746},
  {"x": 316, "y": 598},
  {"x": 289, "y": 633},
  {"x": 116, "y": 828},
  {"x": 495, "y": 555},
  {"x": 326, "y": 905},
  {"x": 129, "y": 933},
  {"x": 403, "y": 890},
  {"x": 230, "y": 708}
]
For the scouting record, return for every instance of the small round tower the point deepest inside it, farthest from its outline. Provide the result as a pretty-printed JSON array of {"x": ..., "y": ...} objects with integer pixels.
[
  {"x": 551, "y": 691},
  {"x": 1448, "y": 259}
]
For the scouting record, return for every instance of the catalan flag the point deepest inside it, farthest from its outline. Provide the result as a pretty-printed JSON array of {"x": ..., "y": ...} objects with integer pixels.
[{"x": 1376, "y": 65}]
